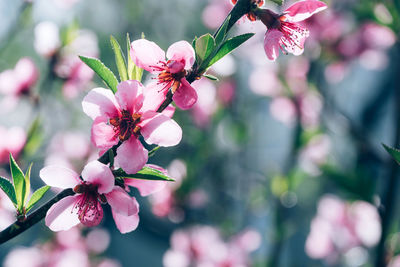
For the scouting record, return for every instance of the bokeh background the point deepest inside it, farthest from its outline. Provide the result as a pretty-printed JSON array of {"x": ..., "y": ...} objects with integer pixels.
[{"x": 280, "y": 164}]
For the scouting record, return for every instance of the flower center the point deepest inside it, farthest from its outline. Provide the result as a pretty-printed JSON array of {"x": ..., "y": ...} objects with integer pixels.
[
  {"x": 88, "y": 206},
  {"x": 126, "y": 125},
  {"x": 293, "y": 33},
  {"x": 171, "y": 73}
]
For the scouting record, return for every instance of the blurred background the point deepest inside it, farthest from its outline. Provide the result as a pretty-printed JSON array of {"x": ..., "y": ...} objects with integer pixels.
[{"x": 281, "y": 163}]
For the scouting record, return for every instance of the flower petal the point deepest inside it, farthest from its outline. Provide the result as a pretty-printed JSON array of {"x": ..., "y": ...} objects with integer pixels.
[
  {"x": 60, "y": 216},
  {"x": 272, "y": 44},
  {"x": 146, "y": 54},
  {"x": 103, "y": 135},
  {"x": 125, "y": 224},
  {"x": 169, "y": 111},
  {"x": 182, "y": 51},
  {"x": 129, "y": 95},
  {"x": 121, "y": 202},
  {"x": 157, "y": 128},
  {"x": 131, "y": 156},
  {"x": 100, "y": 102},
  {"x": 304, "y": 9},
  {"x": 58, "y": 176},
  {"x": 154, "y": 95},
  {"x": 185, "y": 96},
  {"x": 146, "y": 187},
  {"x": 99, "y": 174}
]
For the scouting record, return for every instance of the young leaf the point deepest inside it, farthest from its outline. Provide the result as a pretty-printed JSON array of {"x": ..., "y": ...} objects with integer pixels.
[
  {"x": 36, "y": 196},
  {"x": 19, "y": 182},
  {"x": 229, "y": 46},
  {"x": 395, "y": 153},
  {"x": 119, "y": 59},
  {"x": 34, "y": 138},
  {"x": 153, "y": 151},
  {"x": 105, "y": 73},
  {"x": 278, "y": 2},
  {"x": 221, "y": 33},
  {"x": 8, "y": 188},
  {"x": 211, "y": 77},
  {"x": 134, "y": 72},
  {"x": 204, "y": 47},
  {"x": 27, "y": 184},
  {"x": 146, "y": 173}
]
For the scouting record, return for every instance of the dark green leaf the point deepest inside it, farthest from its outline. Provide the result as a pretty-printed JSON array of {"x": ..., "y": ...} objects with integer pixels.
[
  {"x": 278, "y": 2},
  {"x": 105, "y": 73},
  {"x": 146, "y": 173},
  {"x": 19, "y": 182},
  {"x": 36, "y": 196},
  {"x": 153, "y": 151},
  {"x": 27, "y": 184},
  {"x": 395, "y": 153},
  {"x": 204, "y": 47},
  {"x": 8, "y": 188},
  {"x": 119, "y": 59},
  {"x": 229, "y": 46},
  {"x": 221, "y": 33},
  {"x": 211, "y": 77}
]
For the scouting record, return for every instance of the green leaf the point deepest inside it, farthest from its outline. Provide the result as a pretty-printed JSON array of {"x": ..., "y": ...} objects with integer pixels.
[
  {"x": 34, "y": 139},
  {"x": 395, "y": 153},
  {"x": 27, "y": 183},
  {"x": 278, "y": 2},
  {"x": 19, "y": 182},
  {"x": 36, "y": 196},
  {"x": 119, "y": 59},
  {"x": 204, "y": 47},
  {"x": 221, "y": 33},
  {"x": 146, "y": 173},
  {"x": 211, "y": 77},
  {"x": 8, "y": 188},
  {"x": 105, "y": 73},
  {"x": 230, "y": 45},
  {"x": 134, "y": 72}
]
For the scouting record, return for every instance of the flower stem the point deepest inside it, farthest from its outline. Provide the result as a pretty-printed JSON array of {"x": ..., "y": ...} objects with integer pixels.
[{"x": 18, "y": 227}]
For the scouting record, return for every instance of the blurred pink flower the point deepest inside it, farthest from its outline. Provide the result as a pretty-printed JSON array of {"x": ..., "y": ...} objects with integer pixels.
[
  {"x": 12, "y": 141},
  {"x": 283, "y": 31},
  {"x": 206, "y": 104},
  {"x": 215, "y": 12},
  {"x": 97, "y": 186},
  {"x": 47, "y": 39},
  {"x": 226, "y": 91},
  {"x": 170, "y": 74},
  {"x": 283, "y": 110},
  {"x": 123, "y": 117},
  {"x": 340, "y": 226}
]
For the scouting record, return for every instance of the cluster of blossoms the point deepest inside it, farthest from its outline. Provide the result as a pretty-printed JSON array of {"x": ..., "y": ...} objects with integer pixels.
[
  {"x": 69, "y": 248},
  {"x": 204, "y": 246},
  {"x": 342, "y": 229}
]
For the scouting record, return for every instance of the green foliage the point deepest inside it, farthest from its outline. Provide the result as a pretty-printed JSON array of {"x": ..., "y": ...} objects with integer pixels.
[
  {"x": 278, "y": 2},
  {"x": 147, "y": 173},
  {"x": 211, "y": 77},
  {"x": 105, "y": 73},
  {"x": 27, "y": 179},
  {"x": 8, "y": 188},
  {"x": 153, "y": 151},
  {"x": 34, "y": 139},
  {"x": 395, "y": 153},
  {"x": 19, "y": 183},
  {"x": 36, "y": 196},
  {"x": 221, "y": 33},
  {"x": 119, "y": 59},
  {"x": 134, "y": 72},
  {"x": 204, "y": 47}
]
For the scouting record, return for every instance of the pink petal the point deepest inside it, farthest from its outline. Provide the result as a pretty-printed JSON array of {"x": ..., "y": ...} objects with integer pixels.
[
  {"x": 182, "y": 51},
  {"x": 296, "y": 50},
  {"x": 100, "y": 102},
  {"x": 304, "y": 9},
  {"x": 103, "y": 135},
  {"x": 121, "y": 202},
  {"x": 125, "y": 224},
  {"x": 272, "y": 43},
  {"x": 185, "y": 97},
  {"x": 156, "y": 128},
  {"x": 146, "y": 187},
  {"x": 99, "y": 174},
  {"x": 153, "y": 96},
  {"x": 146, "y": 54},
  {"x": 57, "y": 176},
  {"x": 129, "y": 95},
  {"x": 131, "y": 156},
  {"x": 169, "y": 111},
  {"x": 60, "y": 216}
]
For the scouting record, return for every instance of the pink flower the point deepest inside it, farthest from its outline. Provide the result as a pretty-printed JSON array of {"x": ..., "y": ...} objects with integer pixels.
[
  {"x": 123, "y": 117},
  {"x": 283, "y": 31},
  {"x": 95, "y": 187},
  {"x": 11, "y": 141},
  {"x": 171, "y": 73}
]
